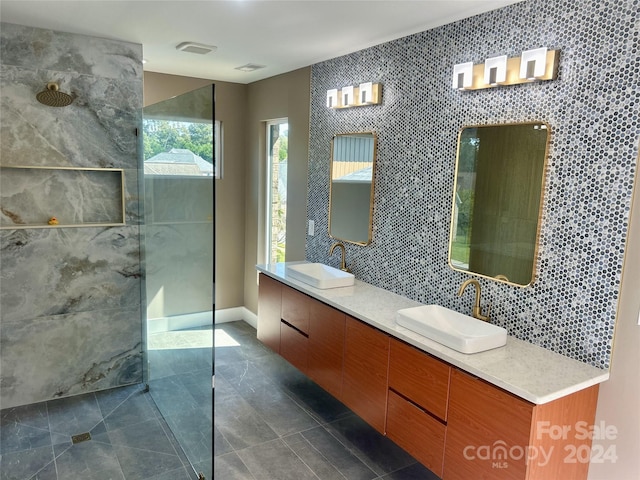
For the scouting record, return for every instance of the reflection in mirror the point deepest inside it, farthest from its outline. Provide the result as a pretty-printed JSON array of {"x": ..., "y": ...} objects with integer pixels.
[
  {"x": 497, "y": 201},
  {"x": 353, "y": 158}
]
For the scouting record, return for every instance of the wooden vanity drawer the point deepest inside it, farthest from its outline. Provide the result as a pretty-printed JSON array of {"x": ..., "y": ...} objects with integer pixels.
[
  {"x": 295, "y": 308},
  {"x": 294, "y": 346},
  {"x": 417, "y": 432},
  {"x": 419, "y": 377}
]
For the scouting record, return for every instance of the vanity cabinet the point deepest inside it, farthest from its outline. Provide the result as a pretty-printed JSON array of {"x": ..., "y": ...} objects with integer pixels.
[
  {"x": 364, "y": 382},
  {"x": 269, "y": 306},
  {"x": 326, "y": 346},
  {"x": 457, "y": 425},
  {"x": 494, "y": 434},
  {"x": 418, "y": 401}
]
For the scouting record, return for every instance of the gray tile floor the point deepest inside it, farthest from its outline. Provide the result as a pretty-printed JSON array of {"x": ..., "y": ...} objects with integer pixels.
[
  {"x": 134, "y": 435},
  {"x": 129, "y": 439},
  {"x": 181, "y": 365},
  {"x": 273, "y": 423}
]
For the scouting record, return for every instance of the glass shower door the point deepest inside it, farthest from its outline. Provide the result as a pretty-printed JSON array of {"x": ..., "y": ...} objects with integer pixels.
[{"x": 179, "y": 239}]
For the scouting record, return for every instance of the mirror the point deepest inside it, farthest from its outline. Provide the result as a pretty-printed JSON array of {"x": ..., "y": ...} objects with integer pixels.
[
  {"x": 497, "y": 200},
  {"x": 353, "y": 158}
]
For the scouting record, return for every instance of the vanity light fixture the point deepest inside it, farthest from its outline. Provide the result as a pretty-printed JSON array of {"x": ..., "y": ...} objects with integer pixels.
[
  {"x": 463, "y": 75},
  {"x": 537, "y": 65},
  {"x": 533, "y": 63},
  {"x": 367, "y": 93},
  {"x": 495, "y": 70}
]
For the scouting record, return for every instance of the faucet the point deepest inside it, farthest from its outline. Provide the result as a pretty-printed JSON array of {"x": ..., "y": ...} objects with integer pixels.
[
  {"x": 343, "y": 263},
  {"x": 477, "y": 309}
]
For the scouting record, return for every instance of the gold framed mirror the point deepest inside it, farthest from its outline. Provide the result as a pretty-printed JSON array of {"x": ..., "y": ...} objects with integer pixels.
[
  {"x": 497, "y": 200},
  {"x": 353, "y": 160}
]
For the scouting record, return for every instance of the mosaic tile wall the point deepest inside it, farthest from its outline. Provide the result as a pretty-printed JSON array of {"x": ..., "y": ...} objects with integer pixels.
[
  {"x": 70, "y": 297},
  {"x": 593, "y": 111}
]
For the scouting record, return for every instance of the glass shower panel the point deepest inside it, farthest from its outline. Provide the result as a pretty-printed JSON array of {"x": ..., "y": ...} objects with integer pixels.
[{"x": 179, "y": 239}]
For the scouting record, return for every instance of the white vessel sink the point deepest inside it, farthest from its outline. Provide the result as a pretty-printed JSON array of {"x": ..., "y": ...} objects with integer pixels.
[
  {"x": 452, "y": 329},
  {"x": 320, "y": 275}
]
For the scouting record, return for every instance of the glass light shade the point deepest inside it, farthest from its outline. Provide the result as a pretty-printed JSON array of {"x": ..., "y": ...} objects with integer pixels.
[
  {"x": 346, "y": 96},
  {"x": 332, "y": 98},
  {"x": 366, "y": 92},
  {"x": 533, "y": 63},
  {"x": 495, "y": 70},
  {"x": 462, "y": 75}
]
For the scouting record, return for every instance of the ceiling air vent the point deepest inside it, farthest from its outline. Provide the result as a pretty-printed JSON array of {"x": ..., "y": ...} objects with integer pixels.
[
  {"x": 199, "y": 48},
  {"x": 250, "y": 67}
]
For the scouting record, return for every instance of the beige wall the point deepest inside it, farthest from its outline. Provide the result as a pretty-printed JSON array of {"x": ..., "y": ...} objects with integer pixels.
[
  {"x": 243, "y": 110},
  {"x": 230, "y": 109},
  {"x": 619, "y": 400},
  {"x": 286, "y": 95}
]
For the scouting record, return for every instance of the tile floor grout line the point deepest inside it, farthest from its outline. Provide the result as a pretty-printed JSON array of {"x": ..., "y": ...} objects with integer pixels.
[
  {"x": 319, "y": 453},
  {"x": 93, "y": 394},
  {"x": 243, "y": 463},
  {"x": 53, "y": 460},
  {"x": 104, "y": 417},
  {"x": 162, "y": 424},
  {"x": 354, "y": 450}
]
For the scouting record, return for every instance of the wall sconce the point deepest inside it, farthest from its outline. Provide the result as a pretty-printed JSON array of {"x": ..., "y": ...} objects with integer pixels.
[
  {"x": 332, "y": 98},
  {"x": 463, "y": 75},
  {"x": 534, "y": 65},
  {"x": 495, "y": 70},
  {"x": 367, "y": 93}
]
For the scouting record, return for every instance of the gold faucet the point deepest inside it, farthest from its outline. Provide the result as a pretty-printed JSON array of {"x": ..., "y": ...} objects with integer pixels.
[
  {"x": 477, "y": 309},
  {"x": 343, "y": 262}
]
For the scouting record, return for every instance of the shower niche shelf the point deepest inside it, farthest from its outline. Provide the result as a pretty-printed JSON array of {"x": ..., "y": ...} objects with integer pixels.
[{"x": 77, "y": 197}]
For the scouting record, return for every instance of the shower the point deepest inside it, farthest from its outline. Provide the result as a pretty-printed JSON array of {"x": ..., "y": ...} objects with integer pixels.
[{"x": 53, "y": 97}]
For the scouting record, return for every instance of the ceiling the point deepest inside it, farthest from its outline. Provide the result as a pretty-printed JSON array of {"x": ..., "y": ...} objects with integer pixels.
[{"x": 281, "y": 35}]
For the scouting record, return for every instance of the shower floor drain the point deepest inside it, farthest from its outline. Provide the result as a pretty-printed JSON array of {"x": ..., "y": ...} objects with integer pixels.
[{"x": 81, "y": 437}]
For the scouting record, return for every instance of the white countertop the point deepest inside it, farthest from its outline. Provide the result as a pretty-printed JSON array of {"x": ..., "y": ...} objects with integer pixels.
[{"x": 526, "y": 370}]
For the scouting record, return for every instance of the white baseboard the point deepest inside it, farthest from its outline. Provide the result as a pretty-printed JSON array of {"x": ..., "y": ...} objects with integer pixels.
[
  {"x": 235, "y": 314},
  {"x": 178, "y": 322},
  {"x": 201, "y": 319}
]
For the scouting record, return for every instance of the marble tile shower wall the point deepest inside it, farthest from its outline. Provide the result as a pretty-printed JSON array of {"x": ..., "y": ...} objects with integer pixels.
[
  {"x": 70, "y": 297},
  {"x": 593, "y": 111}
]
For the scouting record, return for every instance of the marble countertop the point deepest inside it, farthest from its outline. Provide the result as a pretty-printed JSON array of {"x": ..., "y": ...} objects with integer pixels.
[{"x": 526, "y": 370}]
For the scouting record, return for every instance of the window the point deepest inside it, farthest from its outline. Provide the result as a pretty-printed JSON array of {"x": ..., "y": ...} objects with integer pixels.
[
  {"x": 177, "y": 148},
  {"x": 276, "y": 215}
]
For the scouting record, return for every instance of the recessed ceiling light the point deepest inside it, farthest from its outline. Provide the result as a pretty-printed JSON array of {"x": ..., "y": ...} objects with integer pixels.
[
  {"x": 199, "y": 48},
  {"x": 250, "y": 67}
]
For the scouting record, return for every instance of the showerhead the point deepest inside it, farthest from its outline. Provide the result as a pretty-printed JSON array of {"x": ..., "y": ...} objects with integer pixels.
[{"x": 53, "y": 97}]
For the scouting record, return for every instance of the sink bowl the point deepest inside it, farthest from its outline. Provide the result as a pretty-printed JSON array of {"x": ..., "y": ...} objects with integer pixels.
[
  {"x": 320, "y": 275},
  {"x": 452, "y": 329}
]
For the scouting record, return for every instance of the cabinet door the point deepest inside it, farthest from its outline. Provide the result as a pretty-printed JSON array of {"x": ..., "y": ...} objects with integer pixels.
[
  {"x": 420, "y": 377},
  {"x": 416, "y": 431},
  {"x": 294, "y": 346},
  {"x": 484, "y": 424},
  {"x": 269, "y": 304},
  {"x": 326, "y": 346},
  {"x": 295, "y": 308},
  {"x": 364, "y": 382}
]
